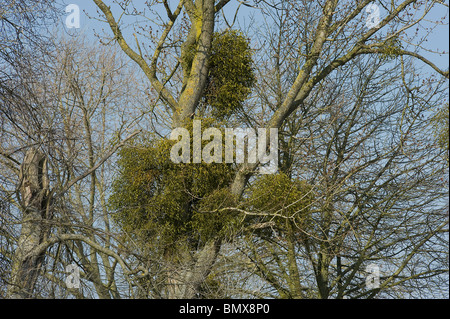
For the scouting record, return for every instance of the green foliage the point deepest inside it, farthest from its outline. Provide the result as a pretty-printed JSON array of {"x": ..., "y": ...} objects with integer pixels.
[
  {"x": 391, "y": 49},
  {"x": 282, "y": 201},
  {"x": 160, "y": 202},
  {"x": 231, "y": 74},
  {"x": 214, "y": 216},
  {"x": 441, "y": 125}
]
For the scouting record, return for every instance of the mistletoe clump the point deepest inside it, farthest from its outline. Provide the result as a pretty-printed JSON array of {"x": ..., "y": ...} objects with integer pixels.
[
  {"x": 231, "y": 74},
  {"x": 281, "y": 202},
  {"x": 158, "y": 201}
]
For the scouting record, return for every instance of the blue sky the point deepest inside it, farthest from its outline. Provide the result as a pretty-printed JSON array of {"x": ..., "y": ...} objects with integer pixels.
[{"x": 438, "y": 39}]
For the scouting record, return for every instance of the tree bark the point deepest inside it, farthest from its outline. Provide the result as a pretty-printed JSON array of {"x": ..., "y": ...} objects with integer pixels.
[
  {"x": 34, "y": 191},
  {"x": 186, "y": 284}
]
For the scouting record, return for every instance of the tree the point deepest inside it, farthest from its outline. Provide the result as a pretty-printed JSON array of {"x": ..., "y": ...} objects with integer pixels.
[
  {"x": 55, "y": 141},
  {"x": 21, "y": 23},
  {"x": 360, "y": 176},
  {"x": 318, "y": 41},
  {"x": 369, "y": 204}
]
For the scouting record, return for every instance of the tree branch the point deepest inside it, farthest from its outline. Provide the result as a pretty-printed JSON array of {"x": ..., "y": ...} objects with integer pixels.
[
  {"x": 96, "y": 166},
  {"x": 149, "y": 72}
]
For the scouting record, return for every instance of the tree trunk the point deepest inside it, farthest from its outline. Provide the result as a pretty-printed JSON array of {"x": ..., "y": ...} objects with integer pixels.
[
  {"x": 34, "y": 191},
  {"x": 186, "y": 284}
]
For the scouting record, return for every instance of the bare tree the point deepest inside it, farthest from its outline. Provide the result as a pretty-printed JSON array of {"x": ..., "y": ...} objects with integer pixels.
[
  {"x": 362, "y": 141},
  {"x": 378, "y": 182},
  {"x": 64, "y": 121}
]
